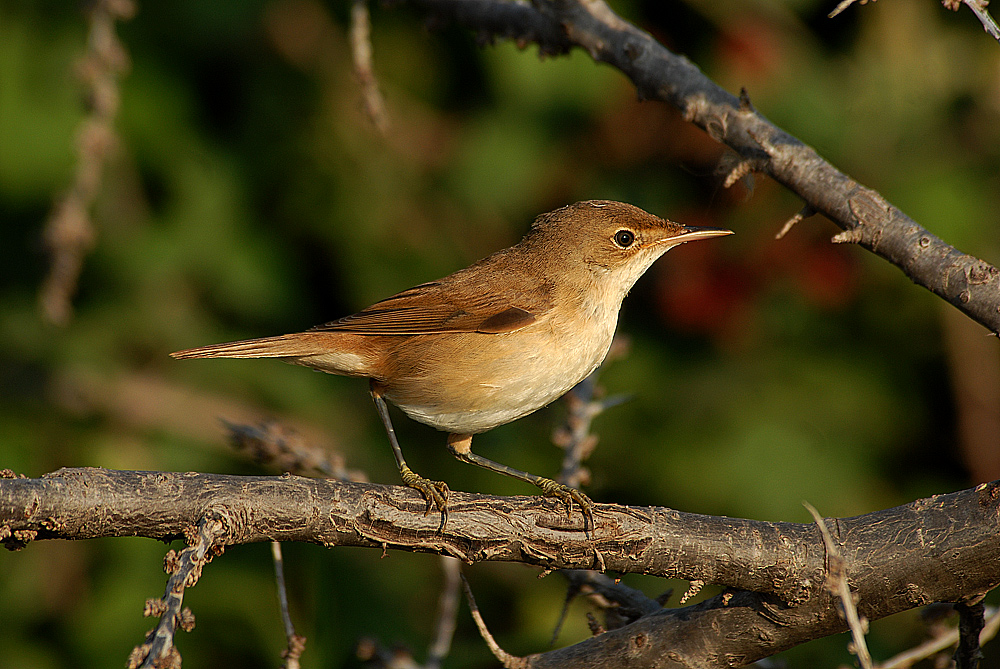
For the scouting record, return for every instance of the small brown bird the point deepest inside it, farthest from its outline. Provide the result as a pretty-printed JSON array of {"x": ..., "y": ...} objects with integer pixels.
[{"x": 492, "y": 342}]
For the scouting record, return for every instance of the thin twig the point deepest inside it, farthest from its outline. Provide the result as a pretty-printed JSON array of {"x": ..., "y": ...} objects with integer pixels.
[
  {"x": 838, "y": 586},
  {"x": 989, "y": 25},
  {"x": 574, "y": 435},
  {"x": 274, "y": 444},
  {"x": 447, "y": 614},
  {"x": 271, "y": 443},
  {"x": 506, "y": 659},
  {"x": 571, "y": 592},
  {"x": 292, "y": 654},
  {"x": 628, "y": 603},
  {"x": 185, "y": 569},
  {"x": 694, "y": 587},
  {"x": 842, "y": 5},
  {"x": 296, "y": 642},
  {"x": 978, "y": 8},
  {"x": 361, "y": 50},
  {"x": 69, "y": 233},
  {"x": 279, "y": 577},
  {"x": 742, "y": 169},
  {"x": 938, "y": 643},
  {"x": 805, "y": 212}
]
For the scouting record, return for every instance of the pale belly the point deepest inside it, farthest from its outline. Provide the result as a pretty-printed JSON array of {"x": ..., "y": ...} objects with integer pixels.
[{"x": 485, "y": 380}]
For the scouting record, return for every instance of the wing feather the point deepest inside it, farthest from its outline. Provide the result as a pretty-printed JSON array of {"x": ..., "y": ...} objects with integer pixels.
[{"x": 449, "y": 305}]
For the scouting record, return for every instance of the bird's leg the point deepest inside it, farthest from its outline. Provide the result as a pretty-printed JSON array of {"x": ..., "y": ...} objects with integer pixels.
[
  {"x": 460, "y": 446},
  {"x": 435, "y": 492}
]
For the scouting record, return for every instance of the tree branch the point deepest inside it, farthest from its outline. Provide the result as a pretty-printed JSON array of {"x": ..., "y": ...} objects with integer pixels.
[
  {"x": 185, "y": 569},
  {"x": 69, "y": 232},
  {"x": 968, "y": 283},
  {"x": 937, "y": 549}
]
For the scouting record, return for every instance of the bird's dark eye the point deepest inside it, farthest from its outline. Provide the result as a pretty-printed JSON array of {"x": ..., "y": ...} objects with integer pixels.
[{"x": 624, "y": 238}]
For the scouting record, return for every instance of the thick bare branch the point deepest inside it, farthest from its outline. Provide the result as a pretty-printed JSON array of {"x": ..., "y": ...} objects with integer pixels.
[
  {"x": 784, "y": 559},
  {"x": 969, "y": 283},
  {"x": 938, "y": 549}
]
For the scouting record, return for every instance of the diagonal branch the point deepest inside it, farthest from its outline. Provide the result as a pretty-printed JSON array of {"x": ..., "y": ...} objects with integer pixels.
[
  {"x": 185, "y": 569},
  {"x": 968, "y": 283},
  {"x": 978, "y": 8}
]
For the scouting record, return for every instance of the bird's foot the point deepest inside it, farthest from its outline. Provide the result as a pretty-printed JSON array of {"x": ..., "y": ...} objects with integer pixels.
[
  {"x": 567, "y": 496},
  {"x": 435, "y": 492}
]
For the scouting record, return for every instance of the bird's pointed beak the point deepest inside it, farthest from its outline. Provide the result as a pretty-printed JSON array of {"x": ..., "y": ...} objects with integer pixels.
[{"x": 691, "y": 233}]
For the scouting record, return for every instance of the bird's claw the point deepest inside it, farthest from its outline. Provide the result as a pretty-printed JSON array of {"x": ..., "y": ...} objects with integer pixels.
[
  {"x": 567, "y": 496},
  {"x": 435, "y": 492}
]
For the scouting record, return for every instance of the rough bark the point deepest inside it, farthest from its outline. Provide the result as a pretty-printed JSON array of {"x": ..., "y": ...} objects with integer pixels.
[{"x": 944, "y": 548}]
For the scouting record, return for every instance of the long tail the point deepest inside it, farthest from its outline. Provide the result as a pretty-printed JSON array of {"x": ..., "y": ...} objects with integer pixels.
[
  {"x": 286, "y": 346},
  {"x": 331, "y": 352}
]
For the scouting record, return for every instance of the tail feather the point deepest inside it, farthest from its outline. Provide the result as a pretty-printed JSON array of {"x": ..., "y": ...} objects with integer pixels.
[{"x": 285, "y": 346}]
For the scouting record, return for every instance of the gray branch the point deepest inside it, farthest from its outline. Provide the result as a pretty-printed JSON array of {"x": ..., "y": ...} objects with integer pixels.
[{"x": 938, "y": 549}]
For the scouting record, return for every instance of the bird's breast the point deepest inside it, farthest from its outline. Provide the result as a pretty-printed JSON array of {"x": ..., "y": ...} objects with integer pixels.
[{"x": 471, "y": 382}]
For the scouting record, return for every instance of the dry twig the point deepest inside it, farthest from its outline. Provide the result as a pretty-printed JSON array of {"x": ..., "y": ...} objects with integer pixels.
[
  {"x": 836, "y": 583},
  {"x": 693, "y": 589},
  {"x": 447, "y": 614},
  {"x": 844, "y": 4},
  {"x": 361, "y": 50},
  {"x": 803, "y": 213},
  {"x": 69, "y": 233},
  {"x": 296, "y": 642},
  {"x": 978, "y": 8},
  {"x": 506, "y": 659},
  {"x": 939, "y": 642},
  {"x": 204, "y": 543},
  {"x": 273, "y": 444}
]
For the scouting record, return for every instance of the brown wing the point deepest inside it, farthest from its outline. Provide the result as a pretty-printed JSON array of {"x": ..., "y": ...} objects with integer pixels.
[{"x": 448, "y": 306}]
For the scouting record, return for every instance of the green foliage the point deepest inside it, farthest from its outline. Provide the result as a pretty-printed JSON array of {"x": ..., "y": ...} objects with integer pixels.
[{"x": 250, "y": 196}]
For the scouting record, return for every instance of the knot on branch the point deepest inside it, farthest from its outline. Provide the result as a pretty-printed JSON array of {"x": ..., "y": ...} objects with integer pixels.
[
  {"x": 220, "y": 526},
  {"x": 872, "y": 213},
  {"x": 981, "y": 272}
]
